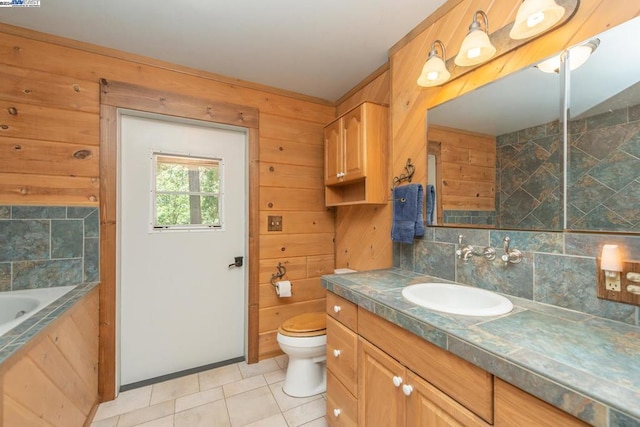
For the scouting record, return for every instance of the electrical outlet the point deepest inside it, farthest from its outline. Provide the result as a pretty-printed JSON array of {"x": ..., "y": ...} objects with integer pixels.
[
  {"x": 274, "y": 223},
  {"x": 612, "y": 283}
]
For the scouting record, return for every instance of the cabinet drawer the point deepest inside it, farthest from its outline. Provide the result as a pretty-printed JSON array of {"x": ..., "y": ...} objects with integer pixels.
[
  {"x": 342, "y": 310},
  {"x": 342, "y": 407},
  {"x": 342, "y": 354},
  {"x": 466, "y": 383}
]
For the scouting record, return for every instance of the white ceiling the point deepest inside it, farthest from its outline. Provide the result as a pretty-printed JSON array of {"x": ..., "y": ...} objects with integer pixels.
[{"x": 321, "y": 48}]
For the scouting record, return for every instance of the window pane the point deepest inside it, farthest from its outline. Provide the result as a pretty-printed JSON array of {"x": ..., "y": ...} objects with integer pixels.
[
  {"x": 210, "y": 210},
  {"x": 172, "y": 209},
  {"x": 209, "y": 179},
  {"x": 172, "y": 177}
]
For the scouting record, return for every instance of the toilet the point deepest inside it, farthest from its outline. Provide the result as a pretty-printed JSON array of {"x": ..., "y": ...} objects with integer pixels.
[{"x": 304, "y": 339}]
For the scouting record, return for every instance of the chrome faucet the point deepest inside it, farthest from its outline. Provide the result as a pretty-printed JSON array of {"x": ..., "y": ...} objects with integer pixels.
[{"x": 468, "y": 251}]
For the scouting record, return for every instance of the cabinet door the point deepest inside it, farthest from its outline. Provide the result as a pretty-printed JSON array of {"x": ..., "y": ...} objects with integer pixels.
[
  {"x": 428, "y": 406},
  {"x": 354, "y": 141},
  {"x": 333, "y": 153},
  {"x": 380, "y": 401}
]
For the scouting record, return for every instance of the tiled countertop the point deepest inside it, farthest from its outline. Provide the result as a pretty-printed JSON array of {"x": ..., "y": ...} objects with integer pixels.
[
  {"x": 17, "y": 337},
  {"x": 586, "y": 365}
]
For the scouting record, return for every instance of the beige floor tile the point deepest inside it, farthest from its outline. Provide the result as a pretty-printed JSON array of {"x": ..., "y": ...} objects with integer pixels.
[
  {"x": 287, "y": 402},
  {"x": 211, "y": 414},
  {"x": 275, "y": 376},
  {"x": 300, "y": 415},
  {"x": 197, "y": 399},
  {"x": 219, "y": 376},
  {"x": 160, "y": 422},
  {"x": 282, "y": 361},
  {"x": 260, "y": 368},
  {"x": 172, "y": 389},
  {"x": 107, "y": 422},
  {"x": 320, "y": 422},
  {"x": 247, "y": 384},
  {"x": 251, "y": 406},
  {"x": 273, "y": 421},
  {"x": 149, "y": 413},
  {"x": 126, "y": 401}
]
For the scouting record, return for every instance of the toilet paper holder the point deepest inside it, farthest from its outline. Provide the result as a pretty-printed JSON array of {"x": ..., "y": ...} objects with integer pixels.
[{"x": 282, "y": 270}]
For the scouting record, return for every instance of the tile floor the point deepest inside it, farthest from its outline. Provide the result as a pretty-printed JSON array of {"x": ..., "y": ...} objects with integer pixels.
[{"x": 234, "y": 395}]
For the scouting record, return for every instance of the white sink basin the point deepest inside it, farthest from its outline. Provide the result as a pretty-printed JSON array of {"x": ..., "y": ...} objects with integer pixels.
[{"x": 456, "y": 299}]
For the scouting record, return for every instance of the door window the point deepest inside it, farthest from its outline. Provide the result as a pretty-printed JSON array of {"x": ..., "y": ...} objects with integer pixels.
[{"x": 186, "y": 192}]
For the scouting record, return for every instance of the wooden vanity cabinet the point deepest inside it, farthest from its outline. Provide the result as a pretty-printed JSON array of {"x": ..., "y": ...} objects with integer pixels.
[
  {"x": 356, "y": 156},
  {"x": 392, "y": 395},
  {"x": 342, "y": 361}
]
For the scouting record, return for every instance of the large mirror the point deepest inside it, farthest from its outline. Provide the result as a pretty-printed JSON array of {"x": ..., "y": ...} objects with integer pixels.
[
  {"x": 603, "y": 180},
  {"x": 496, "y": 154}
]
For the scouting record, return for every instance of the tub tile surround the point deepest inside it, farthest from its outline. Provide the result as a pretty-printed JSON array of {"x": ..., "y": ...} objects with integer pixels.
[
  {"x": 43, "y": 246},
  {"x": 579, "y": 362},
  {"x": 14, "y": 339}
]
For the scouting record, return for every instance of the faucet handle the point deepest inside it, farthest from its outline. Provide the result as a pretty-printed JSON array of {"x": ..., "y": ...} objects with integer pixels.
[
  {"x": 459, "y": 250},
  {"x": 510, "y": 256}
]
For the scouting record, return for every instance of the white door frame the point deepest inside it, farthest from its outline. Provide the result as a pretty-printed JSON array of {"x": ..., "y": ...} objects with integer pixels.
[{"x": 172, "y": 119}]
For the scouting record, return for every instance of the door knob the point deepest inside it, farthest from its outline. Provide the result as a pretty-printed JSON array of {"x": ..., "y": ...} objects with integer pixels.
[{"x": 237, "y": 262}]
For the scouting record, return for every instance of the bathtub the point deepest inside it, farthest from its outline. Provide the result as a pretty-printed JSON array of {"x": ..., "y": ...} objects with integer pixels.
[{"x": 18, "y": 306}]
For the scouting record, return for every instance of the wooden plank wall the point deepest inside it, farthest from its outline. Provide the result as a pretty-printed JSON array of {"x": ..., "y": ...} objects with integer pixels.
[
  {"x": 468, "y": 164},
  {"x": 54, "y": 381},
  {"x": 409, "y": 102},
  {"x": 52, "y": 83},
  {"x": 363, "y": 233}
]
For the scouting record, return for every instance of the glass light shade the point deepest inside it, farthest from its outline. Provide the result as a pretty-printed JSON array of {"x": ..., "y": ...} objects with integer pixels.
[
  {"x": 534, "y": 17},
  {"x": 434, "y": 72},
  {"x": 476, "y": 48},
  {"x": 578, "y": 55},
  {"x": 610, "y": 259}
]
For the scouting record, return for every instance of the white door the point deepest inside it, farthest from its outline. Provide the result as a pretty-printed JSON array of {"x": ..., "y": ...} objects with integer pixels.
[{"x": 181, "y": 305}]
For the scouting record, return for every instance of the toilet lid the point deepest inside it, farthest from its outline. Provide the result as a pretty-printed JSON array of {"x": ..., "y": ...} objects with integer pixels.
[{"x": 307, "y": 324}]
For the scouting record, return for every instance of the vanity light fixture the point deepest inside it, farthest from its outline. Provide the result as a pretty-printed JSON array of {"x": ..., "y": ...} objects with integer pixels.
[
  {"x": 476, "y": 47},
  {"x": 534, "y": 17},
  {"x": 578, "y": 55},
  {"x": 434, "y": 71},
  {"x": 611, "y": 264}
]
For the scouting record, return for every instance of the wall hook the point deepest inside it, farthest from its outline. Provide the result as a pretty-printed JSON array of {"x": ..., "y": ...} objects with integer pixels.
[
  {"x": 282, "y": 270},
  {"x": 407, "y": 176}
]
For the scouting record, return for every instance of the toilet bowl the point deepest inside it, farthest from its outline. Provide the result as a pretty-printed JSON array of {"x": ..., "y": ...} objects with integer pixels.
[{"x": 304, "y": 339}]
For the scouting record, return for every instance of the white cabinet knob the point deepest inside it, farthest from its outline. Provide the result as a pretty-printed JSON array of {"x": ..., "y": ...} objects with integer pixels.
[
  {"x": 338, "y": 175},
  {"x": 336, "y": 353},
  {"x": 407, "y": 389},
  {"x": 397, "y": 381},
  {"x": 337, "y": 308},
  {"x": 336, "y": 412}
]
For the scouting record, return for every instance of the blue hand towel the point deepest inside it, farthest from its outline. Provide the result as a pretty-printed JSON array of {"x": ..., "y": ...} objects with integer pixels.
[
  {"x": 431, "y": 201},
  {"x": 407, "y": 213}
]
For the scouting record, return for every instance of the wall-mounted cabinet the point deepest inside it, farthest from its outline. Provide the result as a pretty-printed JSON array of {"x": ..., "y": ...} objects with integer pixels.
[{"x": 356, "y": 155}]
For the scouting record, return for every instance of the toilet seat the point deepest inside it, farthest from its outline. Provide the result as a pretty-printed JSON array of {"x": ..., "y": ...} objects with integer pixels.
[{"x": 305, "y": 325}]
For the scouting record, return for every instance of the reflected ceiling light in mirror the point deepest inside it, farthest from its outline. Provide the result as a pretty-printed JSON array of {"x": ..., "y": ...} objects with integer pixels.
[
  {"x": 534, "y": 17},
  {"x": 434, "y": 71},
  {"x": 476, "y": 47},
  {"x": 578, "y": 55}
]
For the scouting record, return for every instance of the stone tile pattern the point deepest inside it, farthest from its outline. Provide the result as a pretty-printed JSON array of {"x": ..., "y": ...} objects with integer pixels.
[
  {"x": 232, "y": 395},
  {"x": 529, "y": 178},
  {"x": 557, "y": 268},
  {"x": 45, "y": 246},
  {"x": 603, "y": 182},
  {"x": 469, "y": 217}
]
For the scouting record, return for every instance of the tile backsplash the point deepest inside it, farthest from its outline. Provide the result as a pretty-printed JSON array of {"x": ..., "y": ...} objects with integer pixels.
[
  {"x": 48, "y": 246},
  {"x": 557, "y": 268}
]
